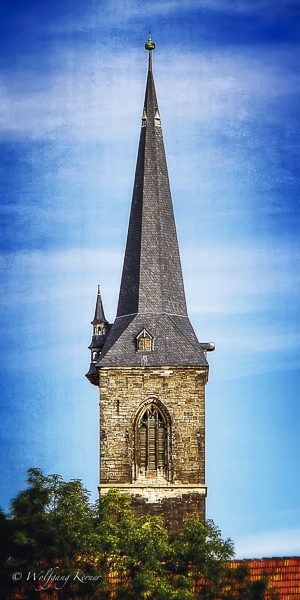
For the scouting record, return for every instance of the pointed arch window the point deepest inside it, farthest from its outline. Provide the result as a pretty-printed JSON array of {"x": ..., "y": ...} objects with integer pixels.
[{"x": 152, "y": 433}]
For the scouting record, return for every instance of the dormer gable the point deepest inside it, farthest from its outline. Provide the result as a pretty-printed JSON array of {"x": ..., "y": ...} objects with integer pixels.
[{"x": 144, "y": 341}]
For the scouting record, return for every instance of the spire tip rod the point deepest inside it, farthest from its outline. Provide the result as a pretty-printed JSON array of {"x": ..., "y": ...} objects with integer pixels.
[{"x": 150, "y": 46}]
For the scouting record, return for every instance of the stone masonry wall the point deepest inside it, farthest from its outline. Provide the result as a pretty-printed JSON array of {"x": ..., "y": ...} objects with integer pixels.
[
  {"x": 181, "y": 390},
  {"x": 173, "y": 510}
]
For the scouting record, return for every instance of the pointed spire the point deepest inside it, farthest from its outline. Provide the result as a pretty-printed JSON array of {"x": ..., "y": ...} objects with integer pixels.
[
  {"x": 151, "y": 297},
  {"x": 99, "y": 312},
  {"x": 152, "y": 278}
]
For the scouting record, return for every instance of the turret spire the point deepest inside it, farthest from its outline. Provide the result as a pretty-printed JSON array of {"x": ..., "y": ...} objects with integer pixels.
[
  {"x": 101, "y": 329},
  {"x": 99, "y": 318}
]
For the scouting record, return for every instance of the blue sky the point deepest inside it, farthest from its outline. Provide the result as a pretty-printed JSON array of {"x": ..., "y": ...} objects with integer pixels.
[{"x": 72, "y": 77}]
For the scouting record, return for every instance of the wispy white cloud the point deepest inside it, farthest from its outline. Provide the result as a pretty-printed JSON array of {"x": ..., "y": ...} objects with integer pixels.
[
  {"x": 243, "y": 6},
  {"x": 120, "y": 13},
  {"x": 235, "y": 279},
  {"x": 250, "y": 288},
  {"x": 268, "y": 544},
  {"x": 99, "y": 95},
  {"x": 223, "y": 280},
  {"x": 39, "y": 276}
]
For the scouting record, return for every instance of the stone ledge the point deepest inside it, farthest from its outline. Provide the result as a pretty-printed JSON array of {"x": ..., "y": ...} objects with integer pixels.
[{"x": 155, "y": 493}]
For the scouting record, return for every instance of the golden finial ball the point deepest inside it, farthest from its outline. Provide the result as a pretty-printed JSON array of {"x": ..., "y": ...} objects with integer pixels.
[{"x": 150, "y": 45}]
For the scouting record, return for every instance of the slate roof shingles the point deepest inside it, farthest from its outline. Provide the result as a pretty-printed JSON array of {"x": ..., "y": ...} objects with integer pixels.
[{"x": 152, "y": 291}]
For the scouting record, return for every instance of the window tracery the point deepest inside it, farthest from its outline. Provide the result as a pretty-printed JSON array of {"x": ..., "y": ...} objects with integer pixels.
[{"x": 151, "y": 457}]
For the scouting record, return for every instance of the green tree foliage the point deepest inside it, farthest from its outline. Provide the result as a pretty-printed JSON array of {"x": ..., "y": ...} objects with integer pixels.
[{"x": 56, "y": 541}]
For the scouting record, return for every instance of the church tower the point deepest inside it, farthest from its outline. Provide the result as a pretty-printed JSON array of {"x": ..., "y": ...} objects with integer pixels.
[{"x": 149, "y": 365}]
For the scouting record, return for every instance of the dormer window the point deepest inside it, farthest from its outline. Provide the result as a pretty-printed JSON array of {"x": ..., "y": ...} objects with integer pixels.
[
  {"x": 144, "y": 342},
  {"x": 157, "y": 119},
  {"x": 94, "y": 356},
  {"x": 144, "y": 118}
]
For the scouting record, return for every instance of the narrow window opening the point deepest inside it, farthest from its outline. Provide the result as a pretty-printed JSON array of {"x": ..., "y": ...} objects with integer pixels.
[
  {"x": 152, "y": 440},
  {"x": 144, "y": 119}
]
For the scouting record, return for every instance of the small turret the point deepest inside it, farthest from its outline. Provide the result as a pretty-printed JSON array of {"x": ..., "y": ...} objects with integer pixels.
[
  {"x": 99, "y": 322},
  {"x": 101, "y": 328}
]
